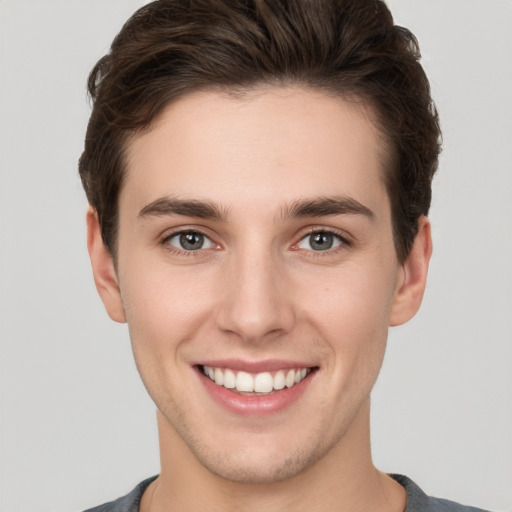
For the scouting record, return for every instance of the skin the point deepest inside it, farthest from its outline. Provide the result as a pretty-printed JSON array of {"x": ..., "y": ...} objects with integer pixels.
[{"x": 259, "y": 291}]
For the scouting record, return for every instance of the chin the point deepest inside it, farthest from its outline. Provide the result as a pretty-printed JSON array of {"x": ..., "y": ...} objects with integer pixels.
[
  {"x": 258, "y": 470},
  {"x": 261, "y": 461}
]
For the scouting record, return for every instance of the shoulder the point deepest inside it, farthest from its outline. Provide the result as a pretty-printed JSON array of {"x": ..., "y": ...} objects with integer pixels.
[
  {"x": 418, "y": 501},
  {"x": 128, "y": 503}
]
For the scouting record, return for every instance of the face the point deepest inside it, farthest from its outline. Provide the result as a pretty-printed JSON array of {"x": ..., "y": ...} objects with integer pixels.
[{"x": 258, "y": 276}]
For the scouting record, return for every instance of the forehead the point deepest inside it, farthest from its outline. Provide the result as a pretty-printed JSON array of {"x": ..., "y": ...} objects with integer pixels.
[{"x": 269, "y": 146}]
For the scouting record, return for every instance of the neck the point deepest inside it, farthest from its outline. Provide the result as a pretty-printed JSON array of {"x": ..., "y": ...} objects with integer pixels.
[{"x": 344, "y": 479}]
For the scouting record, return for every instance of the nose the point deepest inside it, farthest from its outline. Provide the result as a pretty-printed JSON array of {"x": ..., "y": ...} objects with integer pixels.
[{"x": 256, "y": 301}]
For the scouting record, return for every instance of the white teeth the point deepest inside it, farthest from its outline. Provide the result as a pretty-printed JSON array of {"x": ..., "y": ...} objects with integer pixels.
[
  {"x": 263, "y": 383},
  {"x": 244, "y": 382},
  {"x": 219, "y": 377},
  {"x": 260, "y": 383},
  {"x": 279, "y": 380},
  {"x": 290, "y": 378},
  {"x": 229, "y": 379}
]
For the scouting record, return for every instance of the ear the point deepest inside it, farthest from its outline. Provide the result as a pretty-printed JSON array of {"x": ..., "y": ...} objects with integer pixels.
[
  {"x": 103, "y": 269},
  {"x": 412, "y": 281}
]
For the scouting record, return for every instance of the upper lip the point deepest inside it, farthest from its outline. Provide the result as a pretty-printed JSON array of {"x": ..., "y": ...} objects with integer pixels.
[{"x": 269, "y": 365}]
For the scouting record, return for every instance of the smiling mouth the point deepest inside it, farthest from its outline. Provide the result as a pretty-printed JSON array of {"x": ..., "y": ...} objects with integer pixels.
[{"x": 264, "y": 383}]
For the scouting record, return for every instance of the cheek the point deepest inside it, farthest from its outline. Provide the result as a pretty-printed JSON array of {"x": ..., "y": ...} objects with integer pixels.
[
  {"x": 351, "y": 300},
  {"x": 351, "y": 313},
  {"x": 163, "y": 300},
  {"x": 160, "y": 320},
  {"x": 165, "y": 307}
]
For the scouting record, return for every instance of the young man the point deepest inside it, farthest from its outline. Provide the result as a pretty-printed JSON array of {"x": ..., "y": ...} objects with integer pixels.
[{"x": 259, "y": 179}]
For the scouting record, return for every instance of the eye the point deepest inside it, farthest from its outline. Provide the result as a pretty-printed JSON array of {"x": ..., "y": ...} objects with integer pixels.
[
  {"x": 320, "y": 241},
  {"x": 189, "y": 241}
]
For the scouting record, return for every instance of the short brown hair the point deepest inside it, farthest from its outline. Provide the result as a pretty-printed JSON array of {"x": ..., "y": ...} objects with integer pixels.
[{"x": 350, "y": 48}]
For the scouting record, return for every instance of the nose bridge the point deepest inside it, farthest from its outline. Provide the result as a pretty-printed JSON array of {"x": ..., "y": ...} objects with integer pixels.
[{"x": 255, "y": 303}]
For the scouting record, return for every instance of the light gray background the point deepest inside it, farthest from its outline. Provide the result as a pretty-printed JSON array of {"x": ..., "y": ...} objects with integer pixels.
[{"x": 76, "y": 425}]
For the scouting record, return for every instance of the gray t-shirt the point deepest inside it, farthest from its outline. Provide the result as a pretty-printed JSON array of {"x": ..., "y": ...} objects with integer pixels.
[{"x": 417, "y": 500}]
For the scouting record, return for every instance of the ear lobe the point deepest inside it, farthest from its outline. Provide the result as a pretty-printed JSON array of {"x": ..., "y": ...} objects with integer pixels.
[
  {"x": 105, "y": 275},
  {"x": 411, "y": 287}
]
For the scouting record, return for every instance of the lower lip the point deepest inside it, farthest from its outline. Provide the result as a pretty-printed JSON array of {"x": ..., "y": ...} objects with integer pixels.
[{"x": 255, "y": 405}]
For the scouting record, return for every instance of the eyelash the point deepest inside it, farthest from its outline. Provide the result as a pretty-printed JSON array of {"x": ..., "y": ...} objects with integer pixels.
[
  {"x": 183, "y": 252},
  {"x": 343, "y": 242}
]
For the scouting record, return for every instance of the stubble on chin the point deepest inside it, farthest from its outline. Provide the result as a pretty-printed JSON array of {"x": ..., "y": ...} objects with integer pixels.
[{"x": 248, "y": 467}]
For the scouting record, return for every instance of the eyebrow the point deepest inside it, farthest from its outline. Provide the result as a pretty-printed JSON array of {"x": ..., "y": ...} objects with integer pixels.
[
  {"x": 188, "y": 207},
  {"x": 325, "y": 206},
  {"x": 317, "y": 207}
]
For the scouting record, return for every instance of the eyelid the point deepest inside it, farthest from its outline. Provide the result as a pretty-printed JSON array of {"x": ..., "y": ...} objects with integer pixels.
[
  {"x": 178, "y": 231},
  {"x": 207, "y": 239},
  {"x": 341, "y": 236}
]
